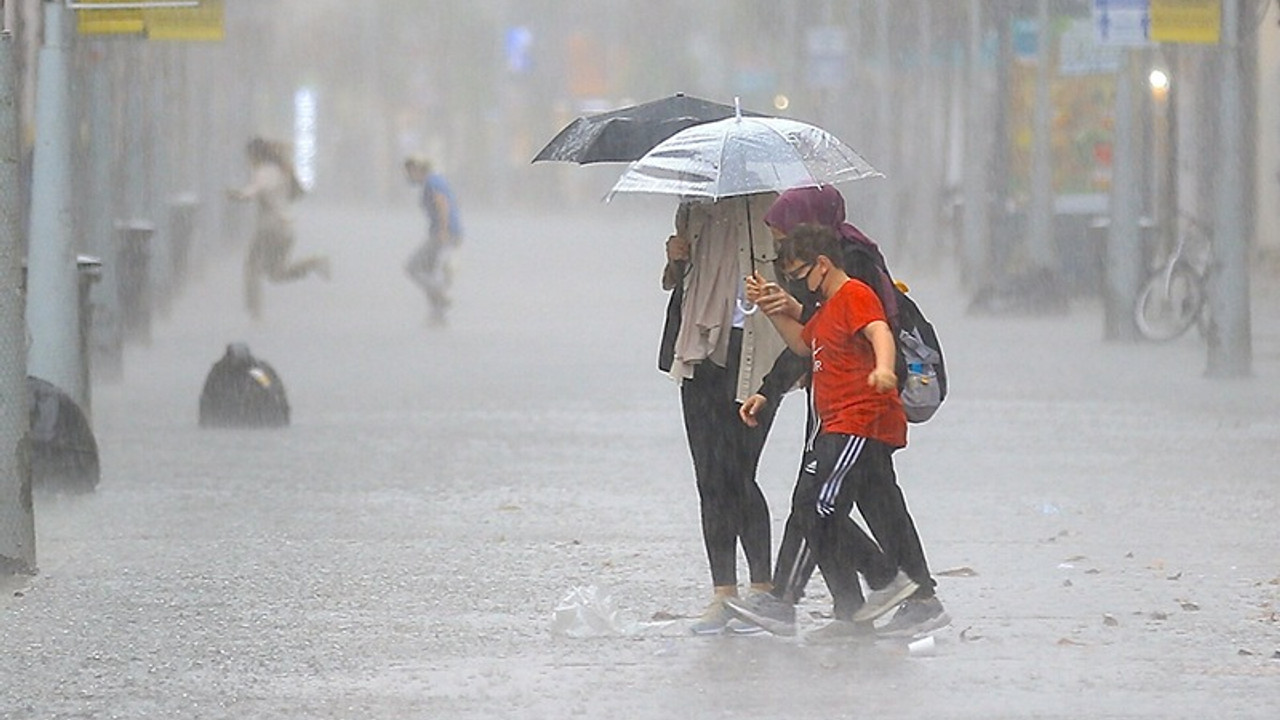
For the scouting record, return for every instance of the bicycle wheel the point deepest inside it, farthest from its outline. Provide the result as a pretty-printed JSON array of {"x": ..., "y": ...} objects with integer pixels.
[{"x": 1165, "y": 311}]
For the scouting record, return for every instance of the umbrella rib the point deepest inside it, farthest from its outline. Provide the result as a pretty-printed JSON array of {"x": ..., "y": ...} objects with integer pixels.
[{"x": 724, "y": 142}]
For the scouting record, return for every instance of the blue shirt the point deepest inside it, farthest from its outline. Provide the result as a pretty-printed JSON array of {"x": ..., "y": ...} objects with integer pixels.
[{"x": 435, "y": 184}]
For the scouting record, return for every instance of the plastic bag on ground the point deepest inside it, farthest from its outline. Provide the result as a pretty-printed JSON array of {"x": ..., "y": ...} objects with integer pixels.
[{"x": 589, "y": 611}]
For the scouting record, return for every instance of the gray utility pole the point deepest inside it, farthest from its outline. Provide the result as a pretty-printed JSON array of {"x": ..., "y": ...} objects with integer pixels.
[
  {"x": 17, "y": 521},
  {"x": 976, "y": 148},
  {"x": 1230, "y": 343},
  {"x": 1040, "y": 249},
  {"x": 108, "y": 355},
  {"x": 885, "y": 215},
  {"x": 1123, "y": 267},
  {"x": 52, "y": 282}
]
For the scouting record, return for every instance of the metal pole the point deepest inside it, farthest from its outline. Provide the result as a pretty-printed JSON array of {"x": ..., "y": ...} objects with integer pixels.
[
  {"x": 52, "y": 281},
  {"x": 17, "y": 520},
  {"x": 1123, "y": 268},
  {"x": 884, "y": 216},
  {"x": 1040, "y": 222},
  {"x": 922, "y": 235},
  {"x": 975, "y": 247},
  {"x": 1230, "y": 345},
  {"x": 107, "y": 346}
]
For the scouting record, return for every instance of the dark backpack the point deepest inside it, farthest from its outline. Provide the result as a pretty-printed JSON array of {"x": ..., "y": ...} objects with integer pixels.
[
  {"x": 243, "y": 391},
  {"x": 921, "y": 370}
]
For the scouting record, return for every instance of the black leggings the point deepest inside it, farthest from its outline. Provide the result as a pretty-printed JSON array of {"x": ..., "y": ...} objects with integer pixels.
[{"x": 725, "y": 455}]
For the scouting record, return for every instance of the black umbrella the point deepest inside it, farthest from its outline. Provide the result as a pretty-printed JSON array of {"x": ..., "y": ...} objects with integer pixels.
[{"x": 628, "y": 133}]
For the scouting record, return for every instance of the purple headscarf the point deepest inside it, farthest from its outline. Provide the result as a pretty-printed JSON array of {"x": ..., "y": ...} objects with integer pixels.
[{"x": 824, "y": 205}]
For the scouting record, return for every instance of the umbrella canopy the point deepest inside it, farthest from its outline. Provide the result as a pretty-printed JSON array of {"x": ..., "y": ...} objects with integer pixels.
[
  {"x": 628, "y": 133},
  {"x": 742, "y": 156}
]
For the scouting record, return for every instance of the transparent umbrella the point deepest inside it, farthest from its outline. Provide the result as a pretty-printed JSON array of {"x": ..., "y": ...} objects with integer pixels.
[{"x": 742, "y": 156}]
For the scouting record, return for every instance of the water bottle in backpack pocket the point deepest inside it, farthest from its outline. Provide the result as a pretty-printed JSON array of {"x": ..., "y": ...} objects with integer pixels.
[
  {"x": 921, "y": 393},
  {"x": 924, "y": 386}
]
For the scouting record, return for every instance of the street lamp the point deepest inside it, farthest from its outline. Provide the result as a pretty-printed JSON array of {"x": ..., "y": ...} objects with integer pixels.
[{"x": 1159, "y": 80}]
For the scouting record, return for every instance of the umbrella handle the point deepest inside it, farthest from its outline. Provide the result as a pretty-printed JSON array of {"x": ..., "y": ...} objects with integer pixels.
[{"x": 747, "y": 308}]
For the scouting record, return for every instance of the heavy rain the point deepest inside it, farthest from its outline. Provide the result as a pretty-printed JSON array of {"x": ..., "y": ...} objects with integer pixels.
[{"x": 323, "y": 399}]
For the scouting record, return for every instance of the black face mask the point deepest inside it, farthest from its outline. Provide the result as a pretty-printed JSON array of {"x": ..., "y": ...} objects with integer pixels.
[{"x": 799, "y": 290}]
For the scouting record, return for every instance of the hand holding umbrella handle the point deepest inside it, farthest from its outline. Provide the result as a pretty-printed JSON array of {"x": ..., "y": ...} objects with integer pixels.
[{"x": 754, "y": 286}]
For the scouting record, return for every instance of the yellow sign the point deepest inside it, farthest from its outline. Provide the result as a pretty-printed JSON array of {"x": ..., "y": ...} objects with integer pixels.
[
  {"x": 201, "y": 22},
  {"x": 198, "y": 23},
  {"x": 115, "y": 21},
  {"x": 1186, "y": 21}
]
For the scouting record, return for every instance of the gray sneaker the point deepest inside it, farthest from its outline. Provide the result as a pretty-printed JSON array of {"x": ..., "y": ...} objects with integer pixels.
[
  {"x": 766, "y": 611},
  {"x": 738, "y": 626},
  {"x": 886, "y": 598},
  {"x": 841, "y": 631},
  {"x": 713, "y": 619},
  {"x": 916, "y": 617}
]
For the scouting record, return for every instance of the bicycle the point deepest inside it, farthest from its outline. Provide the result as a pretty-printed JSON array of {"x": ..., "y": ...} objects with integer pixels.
[{"x": 1174, "y": 296}]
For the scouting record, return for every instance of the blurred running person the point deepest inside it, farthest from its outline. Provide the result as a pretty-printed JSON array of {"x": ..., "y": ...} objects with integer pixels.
[
  {"x": 430, "y": 266},
  {"x": 273, "y": 185}
]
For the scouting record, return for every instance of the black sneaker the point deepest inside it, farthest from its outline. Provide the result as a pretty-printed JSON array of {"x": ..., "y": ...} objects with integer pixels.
[
  {"x": 916, "y": 617},
  {"x": 763, "y": 609}
]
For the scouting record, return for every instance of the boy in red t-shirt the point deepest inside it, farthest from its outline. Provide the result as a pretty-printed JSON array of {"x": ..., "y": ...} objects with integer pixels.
[{"x": 860, "y": 415}]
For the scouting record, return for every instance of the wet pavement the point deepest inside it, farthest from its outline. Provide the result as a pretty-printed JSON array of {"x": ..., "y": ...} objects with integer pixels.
[{"x": 1104, "y": 518}]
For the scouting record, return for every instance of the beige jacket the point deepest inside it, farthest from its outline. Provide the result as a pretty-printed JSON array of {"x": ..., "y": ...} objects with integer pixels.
[{"x": 721, "y": 243}]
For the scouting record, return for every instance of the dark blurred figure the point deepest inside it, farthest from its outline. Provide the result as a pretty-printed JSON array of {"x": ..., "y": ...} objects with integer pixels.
[
  {"x": 243, "y": 391},
  {"x": 430, "y": 266},
  {"x": 64, "y": 455},
  {"x": 273, "y": 185}
]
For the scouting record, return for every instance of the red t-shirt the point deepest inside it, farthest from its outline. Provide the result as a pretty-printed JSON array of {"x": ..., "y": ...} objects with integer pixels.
[{"x": 842, "y": 360}]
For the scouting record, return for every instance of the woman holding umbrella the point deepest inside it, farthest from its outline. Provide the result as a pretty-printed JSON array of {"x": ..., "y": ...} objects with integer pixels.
[{"x": 718, "y": 353}]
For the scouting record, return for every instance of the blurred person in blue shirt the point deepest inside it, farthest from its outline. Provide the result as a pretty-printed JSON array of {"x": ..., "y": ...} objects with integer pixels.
[{"x": 430, "y": 265}]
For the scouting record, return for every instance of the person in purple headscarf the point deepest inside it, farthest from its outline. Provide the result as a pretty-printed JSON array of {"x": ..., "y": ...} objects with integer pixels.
[
  {"x": 882, "y": 506},
  {"x": 824, "y": 205}
]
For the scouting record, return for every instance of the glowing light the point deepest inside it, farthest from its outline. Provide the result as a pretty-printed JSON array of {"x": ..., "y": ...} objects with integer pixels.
[
  {"x": 304, "y": 136},
  {"x": 781, "y": 102},
  {"x": 1159, "y": 80}
]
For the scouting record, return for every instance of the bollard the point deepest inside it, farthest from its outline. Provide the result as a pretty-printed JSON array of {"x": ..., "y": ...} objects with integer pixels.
[
  {"x": 182, "y": 227},
  {"x": 134, "y": 282},
  {"x": 89, "y": 271}
]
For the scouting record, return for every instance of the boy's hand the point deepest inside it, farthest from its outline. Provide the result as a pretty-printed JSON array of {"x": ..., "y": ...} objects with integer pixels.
[
  {"x": 752, "y": 407},
  {"x": 771, "y": 297},
  {"x": 882, "y": 380},
  {"x": 780, "y": 302}
]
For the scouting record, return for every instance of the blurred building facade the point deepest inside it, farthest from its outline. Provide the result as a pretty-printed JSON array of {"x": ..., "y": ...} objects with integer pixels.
[{"x": 918, "y": 86}]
